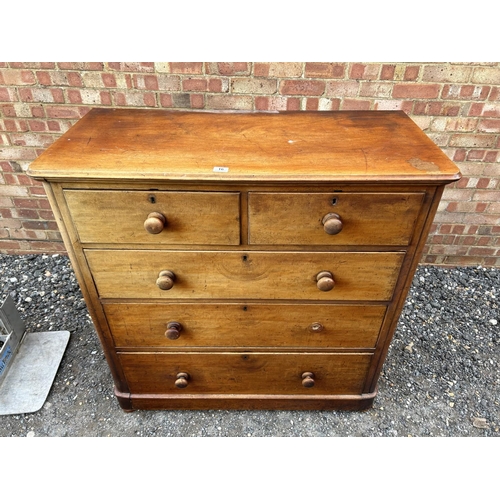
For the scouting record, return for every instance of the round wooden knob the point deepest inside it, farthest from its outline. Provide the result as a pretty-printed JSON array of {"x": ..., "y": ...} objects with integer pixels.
[
  {"x": 308, "y": 379},
  {"x": 173, "y": 330},
  {"x": 325, "y": 281},
  {"x": 316, "y": 327},
  {"x": 332, "y": 223},
  {"x": 166, "y": 280},
  {"x": 182, "y": 380},
  {"x": 155, "y": 223}
]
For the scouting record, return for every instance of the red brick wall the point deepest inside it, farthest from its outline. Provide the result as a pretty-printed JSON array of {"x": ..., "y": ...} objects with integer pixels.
[{"x": 456, "y": 104}]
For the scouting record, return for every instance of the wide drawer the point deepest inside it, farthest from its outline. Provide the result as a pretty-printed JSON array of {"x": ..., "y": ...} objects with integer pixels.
[
  {"x": 365, "y": 218},
  {"x": 245, "y": 275},
  {"x": 107, "y": 216},
  {"x": 191, "y": 324},
  {"x": 245, "y": 373}
]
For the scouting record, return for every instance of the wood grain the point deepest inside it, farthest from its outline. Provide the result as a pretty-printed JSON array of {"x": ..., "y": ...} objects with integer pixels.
[
  {"x": 245, "y": 373},
  {"x": 274, "y": 325},
  {"x": 367, "y": 218},
  {"x": 151, "y": 144},
  {"x": 245, "y": 275},
  {"x": 110, "y": 216}
]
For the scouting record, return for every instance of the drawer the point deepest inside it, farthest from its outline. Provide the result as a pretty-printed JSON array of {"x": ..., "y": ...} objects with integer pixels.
[
  {"x": 245, "y": 373},
  {"x": 363, "y": 218},
  {"x": 180, "y": 325},
  {"x": 245, "y": 275},
  {"x": 108, "y": 216}
]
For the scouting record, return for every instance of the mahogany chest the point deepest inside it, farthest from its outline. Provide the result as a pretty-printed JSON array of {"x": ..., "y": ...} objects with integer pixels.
[{"x": 244, "y": 260}]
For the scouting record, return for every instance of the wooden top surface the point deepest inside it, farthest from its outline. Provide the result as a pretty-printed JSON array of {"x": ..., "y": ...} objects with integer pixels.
[{"x": 338, "y": 146}]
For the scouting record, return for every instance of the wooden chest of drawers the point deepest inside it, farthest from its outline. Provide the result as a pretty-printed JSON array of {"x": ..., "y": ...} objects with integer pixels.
[{"x": 244, "y": 260}]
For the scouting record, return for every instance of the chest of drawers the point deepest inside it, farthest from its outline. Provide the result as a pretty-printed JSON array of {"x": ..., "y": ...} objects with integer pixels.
[{"x": 244, "y": 260}]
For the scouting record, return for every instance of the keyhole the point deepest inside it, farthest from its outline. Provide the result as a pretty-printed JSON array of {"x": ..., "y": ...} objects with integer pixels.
[
  {"x": 334, "y": 201},
  {"x": 245, "y": 258},
  {"x": 152, "y": 198}
]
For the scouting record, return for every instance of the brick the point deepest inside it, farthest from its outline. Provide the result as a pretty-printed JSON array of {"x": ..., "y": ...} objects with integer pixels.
[
  {"x": 165, "y": 100},
  {"x": 157, "y": 82},
  {"x": 481, "y": 219},
  {"x": 133, "y": 67},
  {"x": 446, "y": 73},
  {"x": 391, "y": 104},
  {"x": 17, "y": 77},
  {"x": 354, "y": 104},
  {"x": 486, "y": 75},
  {"x": 279, "y": 69},
  {"x": 184, "y": 68},
  {"x": 472, "y": 140},
  {"x": 302, "y": 87},
  {"x": 17, "y": 154},
  {"x": 108, "y": 80},
  {"x": 181, "y": 100},
  {"x": 485, "y": 109},
  {"x": 39, "y": 225},
  {"x": 218, "y": 84},
  {"x": 145, "y": 82},
  {"x": 59, "y": 78},
  {"x": 493, "y": 208},
  {"x": 324, "y": 70},
  {"x": 253, "y": 86},
  {"x": 82, "y": 66},
  {"x": 195, "y": 84},
  {"x": 492, "y": 126},
  {"x": 312, "y": 104},
  {"x": 494, "y": 94},
  {"x": 37, "y": 191},
  {"x": 466, "y": 92},
  {"x": 461, "y": 124},
  {"x": 411, "y": 73},
  {"x": 276, "y": 103},
  {"x": 89, "y": 96},
  {"x": 135, "y": 99},
  {"x": 33, "y": 65},
  {"x": 41, "y": 95},
  {"x": 387, "y": 72},
  {"x": 197, "y": 101},
  {"x": 458, "y": 194},
  {"x": 481, "y": 251},
  {"x": 341, "y": 89},
  {"x": 475, "y": 155},
  {"x": 491, "y": 156},
  {"x": 415, "y": 90},
  {"x": 7, "y": 95},
  {"x": 360, "y": 71},
  {"x": 32, "y": 139},
  {"x": 327, "y": 104},
  {"x": 64, "y": 112},
  {"x": 375, "y": 89},
  {"x": 223, "y": 101},
  {"x": 229, "y": 68}
]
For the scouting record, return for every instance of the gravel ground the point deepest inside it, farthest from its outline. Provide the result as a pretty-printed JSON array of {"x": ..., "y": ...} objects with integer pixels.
[{"x": 441, "y": 377}]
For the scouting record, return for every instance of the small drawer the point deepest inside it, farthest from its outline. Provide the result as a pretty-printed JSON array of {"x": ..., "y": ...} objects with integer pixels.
[
  {"x": 277, "y": 325},
  {"x": 155, "y": 217},
  {"x": 245, "y": 373},
  {"x": 351, "y": 218},
  {"x": 188, "y": 275}
]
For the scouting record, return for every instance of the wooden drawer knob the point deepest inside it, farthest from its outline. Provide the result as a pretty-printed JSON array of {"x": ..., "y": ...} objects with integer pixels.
[
  {"x": 308, "y": 379},
  {"x": 173, "y": 330},
  {"x": 316, "y": 327},
  {"x": 182, "y": 380},
  {"x": 332, "y": 223},
  {"x": 166, "y": 280},
  {"x": 155, "y": 223},
  {"x": 325, "y": 281}
]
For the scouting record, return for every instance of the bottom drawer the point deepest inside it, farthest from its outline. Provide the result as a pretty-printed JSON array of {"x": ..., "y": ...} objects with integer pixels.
[{"x": 245, "y": 373}]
